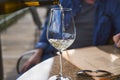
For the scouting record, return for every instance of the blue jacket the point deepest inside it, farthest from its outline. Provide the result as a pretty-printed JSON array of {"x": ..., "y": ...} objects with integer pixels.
[{"x": 107, "y": 21}]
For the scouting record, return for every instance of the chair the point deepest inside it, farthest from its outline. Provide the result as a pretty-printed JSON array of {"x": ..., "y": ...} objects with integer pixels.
[
  {"x": 23, "y": 58},
  {"x": 27, "y": 54}
]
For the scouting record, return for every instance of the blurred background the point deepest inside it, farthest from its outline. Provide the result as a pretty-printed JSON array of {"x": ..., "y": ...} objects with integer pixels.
[{"x": 19, "y": 33}]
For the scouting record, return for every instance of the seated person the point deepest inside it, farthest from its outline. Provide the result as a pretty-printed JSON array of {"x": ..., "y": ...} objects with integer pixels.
[{"x": 97, "y": 23}]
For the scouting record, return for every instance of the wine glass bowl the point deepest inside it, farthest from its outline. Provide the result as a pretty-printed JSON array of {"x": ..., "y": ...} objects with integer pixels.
[{"x": 61, "y": 33}]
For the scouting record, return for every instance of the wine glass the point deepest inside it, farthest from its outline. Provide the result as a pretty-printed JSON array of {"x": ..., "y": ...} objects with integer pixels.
[{"x": 61, "y": 33}]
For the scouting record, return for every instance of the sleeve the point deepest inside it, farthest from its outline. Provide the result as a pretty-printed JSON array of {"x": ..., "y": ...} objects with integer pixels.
[
  {"x": 43, "y": 42},
  {"x": 116, "y": 16}
]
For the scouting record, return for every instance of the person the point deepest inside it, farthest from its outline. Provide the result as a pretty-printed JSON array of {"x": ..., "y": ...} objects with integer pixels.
[
  {"x": 116, "y": 39},
  {"x": 97, "y": 23}
]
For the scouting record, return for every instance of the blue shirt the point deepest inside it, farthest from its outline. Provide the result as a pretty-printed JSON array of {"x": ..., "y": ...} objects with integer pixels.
[{"x": 107, "y": 21}]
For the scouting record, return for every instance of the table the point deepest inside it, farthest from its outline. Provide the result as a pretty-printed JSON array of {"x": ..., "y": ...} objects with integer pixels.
[
  {"x": 92, "y": 58},
  {"x": 96, "y": 58},
  {"x": 49, "y": 67}
]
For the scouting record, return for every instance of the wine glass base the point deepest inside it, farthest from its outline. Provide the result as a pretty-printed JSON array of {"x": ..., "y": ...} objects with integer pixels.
[{"x": 56, "y": 77}]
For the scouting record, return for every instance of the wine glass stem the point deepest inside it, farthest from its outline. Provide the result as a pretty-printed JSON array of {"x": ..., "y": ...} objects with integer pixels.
[{"x": 60, "y": 73}]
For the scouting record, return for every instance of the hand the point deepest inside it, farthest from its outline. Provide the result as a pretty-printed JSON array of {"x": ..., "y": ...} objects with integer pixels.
[
  {"x": 33, "y": 60},
  {"x": 116, "y": 39}
]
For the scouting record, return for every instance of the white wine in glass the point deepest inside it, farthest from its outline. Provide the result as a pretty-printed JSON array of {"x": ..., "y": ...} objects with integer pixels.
[{"x": 61, "y": 33}]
